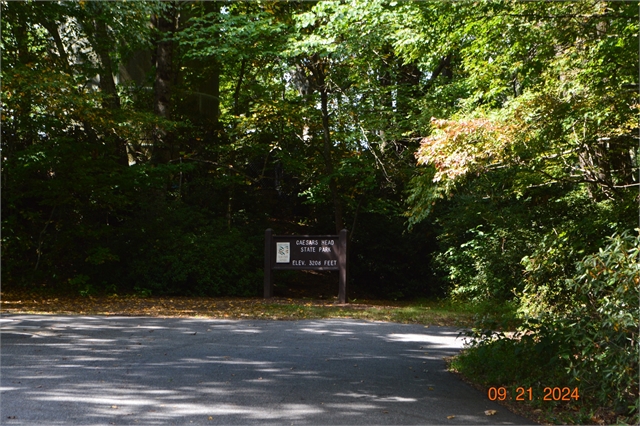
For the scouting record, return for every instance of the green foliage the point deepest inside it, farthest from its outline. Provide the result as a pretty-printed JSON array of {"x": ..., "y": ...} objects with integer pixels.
[
  {"x": 80, "y": 284},
  {"x": 184, "y": 253},
  {"x": 597, "y": 326},
  {"x": 494, "y": 360},
  {"x": 589, "y": 339},
  {"x": 142, "y": 291},
  {"x": 243, "y": 31},
  {"x": 559, "y": 247},
  {"x": 483, "y": 267},
  {"x": 548, "y": 230},
  {"x": 530, "y": 168}
]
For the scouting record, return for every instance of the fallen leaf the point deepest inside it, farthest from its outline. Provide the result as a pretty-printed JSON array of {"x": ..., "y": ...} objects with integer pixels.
[
  {"x": 210, "y": 417},
  {"x": 114, "y": 406},
  {"x": 490, "y": 412},
  {"x": 450, "y": 417}
]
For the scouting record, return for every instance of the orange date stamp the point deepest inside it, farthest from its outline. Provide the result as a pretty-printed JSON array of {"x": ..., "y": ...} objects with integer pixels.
[{"x": 527, "y": 394}]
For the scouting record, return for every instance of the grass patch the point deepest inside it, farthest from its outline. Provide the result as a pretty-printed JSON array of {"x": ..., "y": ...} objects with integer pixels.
[{"x": 423, "y": 312}]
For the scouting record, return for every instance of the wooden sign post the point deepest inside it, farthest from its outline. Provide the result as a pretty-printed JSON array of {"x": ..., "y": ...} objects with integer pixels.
[{"x": 305, "y": 252}]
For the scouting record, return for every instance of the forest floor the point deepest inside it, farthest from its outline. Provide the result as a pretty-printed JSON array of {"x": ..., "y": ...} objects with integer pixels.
[{"x": 422, "y": 312}]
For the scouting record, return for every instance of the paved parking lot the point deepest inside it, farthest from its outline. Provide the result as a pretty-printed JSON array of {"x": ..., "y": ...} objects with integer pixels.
[{"x": 142, "y": 370}]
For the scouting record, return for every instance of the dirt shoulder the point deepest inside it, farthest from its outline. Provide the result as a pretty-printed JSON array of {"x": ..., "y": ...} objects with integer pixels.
[{"x": 230, "y": 308}]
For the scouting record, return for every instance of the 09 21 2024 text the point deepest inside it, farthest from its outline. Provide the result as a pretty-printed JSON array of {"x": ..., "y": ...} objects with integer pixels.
[{"x": 521, "y": 393}]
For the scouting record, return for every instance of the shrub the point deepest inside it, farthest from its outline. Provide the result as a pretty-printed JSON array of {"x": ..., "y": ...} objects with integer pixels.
[
  {"x": 588, "y": 340},
  {"x": 189, "y": 254},
  {"x": 597, "y": 326}
]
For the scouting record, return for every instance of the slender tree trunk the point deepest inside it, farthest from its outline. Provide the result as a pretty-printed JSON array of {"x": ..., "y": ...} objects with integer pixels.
[
  {"x": 165, "y": 25},
  {"x": 236, "y": 94},
  {"x": 107, "y": 85},
  {"x": 327, "y": 147},
  {"x": 111, "y": 99},
  {"x": 95, "y": 25},
  {"x": 212, "y": 84},
  {"x": 102, "y": 44},
  {"x": 444, "y": 68},
  {"x": 18, "y": 12},
  {"x": 408, "y": 88},
  {"x": 52, "y": 29}
]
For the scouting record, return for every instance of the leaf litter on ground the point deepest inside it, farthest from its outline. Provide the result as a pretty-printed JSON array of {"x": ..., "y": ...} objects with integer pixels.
[{"x": 231, "y": 308}]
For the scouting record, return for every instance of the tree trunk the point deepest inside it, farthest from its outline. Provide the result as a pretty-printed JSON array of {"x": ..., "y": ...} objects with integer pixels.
[
  {"x": 408, "y": 88},
  {"x": 107, "y": 85},
  {"x": 165, "y": 25},
  {"x": 111, "y": 99},
  {"x": 101, "y": 43},
  {"x": 18, "y": 14},
  {"x": 236, "y": 94},
  {"x": 328, "y": 160},
  {"x": 52, "y": 29}
]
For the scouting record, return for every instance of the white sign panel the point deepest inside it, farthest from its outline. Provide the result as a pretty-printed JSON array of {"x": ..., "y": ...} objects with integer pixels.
[{"x": 282, "y": 253}]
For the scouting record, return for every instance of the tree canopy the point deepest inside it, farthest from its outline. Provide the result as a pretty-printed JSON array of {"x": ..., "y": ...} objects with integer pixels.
[{"x": 137, "y": 135}]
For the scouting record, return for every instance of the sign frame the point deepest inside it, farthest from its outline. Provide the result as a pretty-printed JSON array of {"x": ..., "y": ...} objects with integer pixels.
[{"x": 304, "y": 253}]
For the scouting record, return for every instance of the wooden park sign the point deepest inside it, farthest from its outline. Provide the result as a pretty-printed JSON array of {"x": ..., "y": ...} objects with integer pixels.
[{"x": 305, "y": 252}]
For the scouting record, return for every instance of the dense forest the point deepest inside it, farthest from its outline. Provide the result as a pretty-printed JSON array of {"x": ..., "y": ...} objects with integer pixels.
[{"x": 483, "y": 151}]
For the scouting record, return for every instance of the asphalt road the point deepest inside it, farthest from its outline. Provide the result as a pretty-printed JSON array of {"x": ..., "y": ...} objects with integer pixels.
[{"x": 140, "y": 370}]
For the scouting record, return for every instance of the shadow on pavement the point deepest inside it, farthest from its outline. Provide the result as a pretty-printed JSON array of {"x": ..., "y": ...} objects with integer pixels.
[{"x": 141, "y": 370}]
